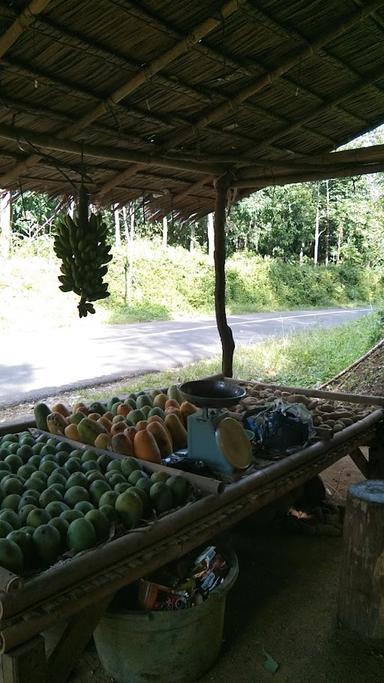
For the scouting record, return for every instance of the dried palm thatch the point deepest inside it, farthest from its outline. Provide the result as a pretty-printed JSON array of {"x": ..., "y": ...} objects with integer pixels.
[{"x": 159, "y": 99}]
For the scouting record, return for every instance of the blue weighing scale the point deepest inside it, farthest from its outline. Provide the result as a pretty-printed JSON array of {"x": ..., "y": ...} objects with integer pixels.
[{"x": 207, "y": 427}]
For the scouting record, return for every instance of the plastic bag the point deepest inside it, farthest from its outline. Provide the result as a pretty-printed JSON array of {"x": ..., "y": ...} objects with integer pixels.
[{"x": 282, "y": 428}]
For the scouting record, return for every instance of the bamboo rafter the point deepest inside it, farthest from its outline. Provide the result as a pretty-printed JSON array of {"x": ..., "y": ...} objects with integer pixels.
[
  {"x": 259, "y": 182},
  {"x": 45, "y": 141},
  {"x": 268, "y": 78},
  {"x": 21, "y": 23}
]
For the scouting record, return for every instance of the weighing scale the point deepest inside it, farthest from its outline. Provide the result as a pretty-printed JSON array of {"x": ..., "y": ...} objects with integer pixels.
[{"x": 214, "y": 437}]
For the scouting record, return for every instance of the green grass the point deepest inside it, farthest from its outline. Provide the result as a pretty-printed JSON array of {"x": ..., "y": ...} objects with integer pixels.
[{"x": 306, "y": 359}]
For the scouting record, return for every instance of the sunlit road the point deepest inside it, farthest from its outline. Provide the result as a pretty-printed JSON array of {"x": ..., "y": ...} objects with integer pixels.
[{"x": 49, "y": 361}]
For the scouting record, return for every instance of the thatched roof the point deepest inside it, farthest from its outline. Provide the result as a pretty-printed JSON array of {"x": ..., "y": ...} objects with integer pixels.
[{"x": 156, "y": 98}]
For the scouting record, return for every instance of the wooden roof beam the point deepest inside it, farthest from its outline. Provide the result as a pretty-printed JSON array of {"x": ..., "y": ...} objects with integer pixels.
[
  {"x": 309, "y": 176},
  {"x": 274, "y": 74},
  {"x": 373, "y": 154},
  {"x": 21, "y": 135},
  {"x": 21, "y": 23}
]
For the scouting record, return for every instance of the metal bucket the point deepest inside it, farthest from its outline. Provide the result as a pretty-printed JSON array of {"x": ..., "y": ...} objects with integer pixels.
[{"x": 179, "y": 646}]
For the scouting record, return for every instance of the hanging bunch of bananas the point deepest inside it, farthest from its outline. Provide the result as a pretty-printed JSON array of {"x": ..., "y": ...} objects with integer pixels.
[{"x": 80, "y": 243}]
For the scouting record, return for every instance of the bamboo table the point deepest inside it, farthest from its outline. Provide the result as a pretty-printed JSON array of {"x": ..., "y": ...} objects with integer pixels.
[{"x": 78, "y": 591}]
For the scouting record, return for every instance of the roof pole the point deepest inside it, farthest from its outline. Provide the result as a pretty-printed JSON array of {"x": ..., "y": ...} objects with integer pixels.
[{"x": 228, "y": 345}]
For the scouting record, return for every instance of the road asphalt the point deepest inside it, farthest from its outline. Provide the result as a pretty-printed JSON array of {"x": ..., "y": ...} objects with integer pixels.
[{"x": 50, "y": 361}]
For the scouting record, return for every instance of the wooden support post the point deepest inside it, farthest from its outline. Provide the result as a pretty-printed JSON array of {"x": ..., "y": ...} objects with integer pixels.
[
  {"x": 25, "y": 664},
  {"x": 74, "y": 640},
  {"x": 225, "y": 332},
  {"x": 361, "y": 589}
]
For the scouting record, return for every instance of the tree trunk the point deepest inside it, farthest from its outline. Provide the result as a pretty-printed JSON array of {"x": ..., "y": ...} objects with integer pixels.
[
  {"x": 225, "y": 332},
  {"x": 116, "y": 214},
  {"x": 339, "y": 242},
  {"x": 5, "y": 224},
  {"x": 317, "y": 229},
  {"x": 327, "y": 228},
  {"x": 192, "y": 238},
  {"x": 361, "y": 589},
  {"x": 211, "y": 237},
  {"x": 165, "y": 232},
  {"x": 301, "y": 255}
]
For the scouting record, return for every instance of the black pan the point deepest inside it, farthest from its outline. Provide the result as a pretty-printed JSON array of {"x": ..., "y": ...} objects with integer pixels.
[{"x": 209, "y": 393}]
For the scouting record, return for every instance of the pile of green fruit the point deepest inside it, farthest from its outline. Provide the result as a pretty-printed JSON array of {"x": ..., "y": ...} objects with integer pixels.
[{"x": 55, "y": 498}]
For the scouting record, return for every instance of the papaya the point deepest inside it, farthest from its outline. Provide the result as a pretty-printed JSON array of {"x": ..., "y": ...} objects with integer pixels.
[
  {"x": 108, "y": 415},
  {"x": 56, "y": 423},
  {"x": 155, "y": 418},
  {"x": 114, "y": 399},
  {"x": 89, "y": 430},
  {"x": 103, "y": 441},
  {"x": 130, "y": 432},
  {"x": 118, "y": 427},
  {"x": 145, "y": 447},
  {"x": 80, "y": 407},
  {"x": 171, "y": 403},
  {"x": 135, "y": 416},
  {"x": 118, "y": 418},
  {"x": 141, "y": 424},
  {"x": 123, "y": 409},
  {"x": 105, "y": 422},
  {"x": 41, "y": 412},
  {"x": 97, "y": 407},
  {"x": 160, "y": 400},
  {"x": 94, "y": 416},
  {"x": 114, "y": 407},
  {"x": 177, "y": 430},
  {"x": 71, "y": 432},
  {"x": 62, "y": 409},
  {"x": 187, "y": 408},
  {"x": 175, "y": 393},
  {"x": 75, "y": 418},
  {"x": 146, "y": 410},
  {"x": 122, "y": 444},
  {"x": 162, "y": 438},
  {"x": 143, "y": 400},
  {"x": 156, "y": 410}
]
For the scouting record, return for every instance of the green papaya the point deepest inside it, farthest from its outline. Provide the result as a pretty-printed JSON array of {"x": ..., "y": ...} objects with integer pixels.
[
  {"x": 135, "y": 416},
  {"x": 130, "y": 402},
  {"x": 144, "y": 400},
  {"x": 75, "y": 418},
  {"x": 156, "y": 410},
  {"x": 175, "y": 393},
  {"x": 114, "y": 399},
  {"x": 41, "y": 412},
  {"x": 98, "y": 407},
  {"x": 89, "y": 430}
]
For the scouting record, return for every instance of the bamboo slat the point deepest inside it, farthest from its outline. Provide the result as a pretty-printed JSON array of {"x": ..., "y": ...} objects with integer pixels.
[{"x": 321, "y": 393}]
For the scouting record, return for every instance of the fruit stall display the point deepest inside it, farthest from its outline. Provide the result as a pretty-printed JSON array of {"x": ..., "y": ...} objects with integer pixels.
[
  {"x": 57, "y": 500},
  {"x": 148, "y": 425}
]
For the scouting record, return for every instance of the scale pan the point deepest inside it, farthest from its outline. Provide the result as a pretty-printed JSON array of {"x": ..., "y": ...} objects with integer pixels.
[{"x": 212, "y": 393}]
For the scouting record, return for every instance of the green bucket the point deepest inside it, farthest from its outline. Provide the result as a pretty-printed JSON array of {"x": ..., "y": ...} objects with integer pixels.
[{"x": 163, "y": 646}]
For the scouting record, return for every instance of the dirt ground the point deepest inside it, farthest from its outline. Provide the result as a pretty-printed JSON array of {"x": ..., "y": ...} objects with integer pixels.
[{"x": 284, "y": 602}]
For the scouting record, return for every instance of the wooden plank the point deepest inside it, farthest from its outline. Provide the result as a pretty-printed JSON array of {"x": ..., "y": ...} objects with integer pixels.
[
  {"x": 25, "y": 664},
  {"x": 360, "y": 461},
  {"x": 74, "y": 640}
]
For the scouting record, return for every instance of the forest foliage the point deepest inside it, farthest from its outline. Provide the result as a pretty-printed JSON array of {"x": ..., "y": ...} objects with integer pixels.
[{"x": 305, "y": 244}]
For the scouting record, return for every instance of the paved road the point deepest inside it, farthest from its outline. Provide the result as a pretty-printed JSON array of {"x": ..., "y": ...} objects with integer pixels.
[{"x": 45, "y": 362}]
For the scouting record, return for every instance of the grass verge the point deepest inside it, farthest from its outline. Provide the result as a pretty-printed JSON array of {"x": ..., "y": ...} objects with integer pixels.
[{"x": 306, "y": 359}]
